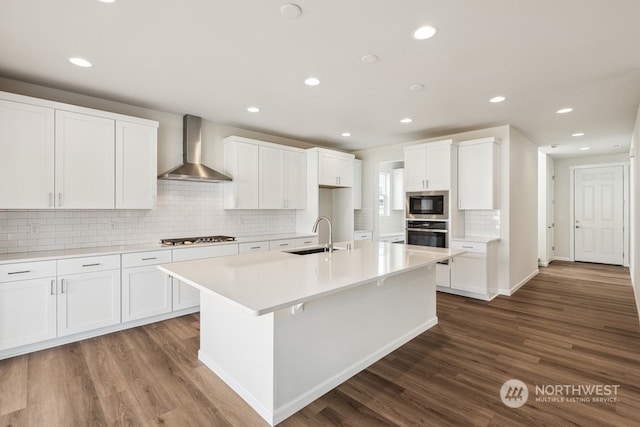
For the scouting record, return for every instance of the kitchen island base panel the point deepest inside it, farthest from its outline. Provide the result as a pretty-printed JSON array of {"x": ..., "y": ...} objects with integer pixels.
[{"x": 280, "y": 362}]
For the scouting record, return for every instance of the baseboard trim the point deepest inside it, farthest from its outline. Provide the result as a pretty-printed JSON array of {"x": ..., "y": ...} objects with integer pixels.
[
  {"x": 562, "y": 258},
  {"x": 520, "y": 284}
]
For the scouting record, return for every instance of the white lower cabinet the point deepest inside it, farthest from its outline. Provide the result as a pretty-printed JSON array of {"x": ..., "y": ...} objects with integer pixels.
[
  {"x": 88, "y": 293},
  {"x": 27, "y": 311},
  {"x": 443, "y": 275},
  {"x": 249, "y": 247},
  {"x": 184, "y": 295},
  {"x": 475, "y": 271},
  {"x": 146, "y": 291},
  {"x": 284, "y": 244},
  {"x": 363, "y": 235}
]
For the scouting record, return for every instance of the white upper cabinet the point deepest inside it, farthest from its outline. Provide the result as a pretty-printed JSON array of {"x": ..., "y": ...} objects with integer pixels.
[
  {"x": 85, "y": 161},
  {"x": 265, "y": 175},
  {"x": 478, "y": 174},
  {"x": 69, "y": 157},
  {"x": 136, "y": 166},
  {"x": 26, "y": 156},
  {"x": 428, "y": 166},
  {"x": 335, "y": 169}
]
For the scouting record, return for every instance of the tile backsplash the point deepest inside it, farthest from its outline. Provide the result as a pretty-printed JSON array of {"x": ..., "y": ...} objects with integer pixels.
[
  {"x": 482, "y": 223},
  {"x": 184, "y": 209},
  {"x": 363, "y": 219}
]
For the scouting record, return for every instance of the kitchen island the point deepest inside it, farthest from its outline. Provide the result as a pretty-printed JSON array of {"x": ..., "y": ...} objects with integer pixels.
[{"x": 282, "y": 329}]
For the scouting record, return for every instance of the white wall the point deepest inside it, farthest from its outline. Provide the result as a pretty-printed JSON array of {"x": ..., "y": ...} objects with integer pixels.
[
  {"x": 634, "y": 262},
  {"x": 523, "y": 209},
  {"x": 562, "y": 191},
  {"x": 394, "y": 223}
]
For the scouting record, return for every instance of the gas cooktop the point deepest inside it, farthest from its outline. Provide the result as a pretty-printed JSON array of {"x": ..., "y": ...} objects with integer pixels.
[{"x": 196, "y": 240}]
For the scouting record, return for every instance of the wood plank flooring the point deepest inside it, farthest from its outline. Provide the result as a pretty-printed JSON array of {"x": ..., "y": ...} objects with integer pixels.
[{"x": 572, "y": 324}]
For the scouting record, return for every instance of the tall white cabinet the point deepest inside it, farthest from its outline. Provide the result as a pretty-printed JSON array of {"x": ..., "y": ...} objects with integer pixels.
[
  {"x": 478, "y": 174},
  {"x": 68, "y": 157}
]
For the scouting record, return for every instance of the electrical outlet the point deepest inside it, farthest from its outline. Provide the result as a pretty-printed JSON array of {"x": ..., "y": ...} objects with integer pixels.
[
  {"x": 34, "y": 228},
  {"x": 114, "y": 225}
]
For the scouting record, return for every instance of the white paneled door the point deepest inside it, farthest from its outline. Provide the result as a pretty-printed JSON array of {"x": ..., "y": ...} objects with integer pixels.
[
  {"x": 550, "y": 212},
  {"x": 599, "y": 214}
]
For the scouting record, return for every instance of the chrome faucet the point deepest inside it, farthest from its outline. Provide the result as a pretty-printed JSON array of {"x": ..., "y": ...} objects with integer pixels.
[{"x": 315, "y": 230}]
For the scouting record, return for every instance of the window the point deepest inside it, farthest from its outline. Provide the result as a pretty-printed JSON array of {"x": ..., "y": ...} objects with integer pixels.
[{"x": 384, "y": 185}]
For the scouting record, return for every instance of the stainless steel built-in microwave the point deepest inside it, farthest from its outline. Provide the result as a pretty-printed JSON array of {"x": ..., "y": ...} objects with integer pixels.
[{"x": 427, "y": 205}]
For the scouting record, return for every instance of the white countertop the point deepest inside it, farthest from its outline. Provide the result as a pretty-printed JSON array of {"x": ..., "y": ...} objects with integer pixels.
[
  {"x": 268, "y": 281},
  {"x": 476, "y": 239},
  {"x": 122, "y": 249}
]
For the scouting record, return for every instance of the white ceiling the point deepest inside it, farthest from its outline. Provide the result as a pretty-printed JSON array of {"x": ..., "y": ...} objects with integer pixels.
[{"x": 214, "y": 58}]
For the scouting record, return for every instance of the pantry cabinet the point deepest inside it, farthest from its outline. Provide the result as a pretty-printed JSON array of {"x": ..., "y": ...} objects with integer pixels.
[
  {"x": 478, "y": 174},
  {"x": 335, "y": 169},
  {"x": 68, "y": 157},
  {"x": 428, "y": 166},
  {"x": 265, "y": 175}
]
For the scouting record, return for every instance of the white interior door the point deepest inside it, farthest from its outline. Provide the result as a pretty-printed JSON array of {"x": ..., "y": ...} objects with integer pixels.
[
  {"x": 550, "y": 205},
  {"x": 599, "y": 214}
]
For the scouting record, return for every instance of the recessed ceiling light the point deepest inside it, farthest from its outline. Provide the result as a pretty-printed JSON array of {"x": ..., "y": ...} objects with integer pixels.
[
  {"x": 406, "y": 120},
  {"x": 416, "y": 87},
  {"x": 553, "y": 146},
  {"x": 578, "y": 134},
  {"x": 424, "y": 33},
  {"x": 564, "y": 110},
  {"x": 107, "y": 1},
  {"x": 584, "y": 148},
  {"x": 617, "y": 145},
  {"x": 290, "y": 10},
  {"x": 312, "y": 81},
  {"x": 80, "y": 62},
  {"x": 497, "y": 99},
  {"x": 369, "y": 58},
  {"x": 346, "y": 133},
  {"x": 253, "y": 109}
]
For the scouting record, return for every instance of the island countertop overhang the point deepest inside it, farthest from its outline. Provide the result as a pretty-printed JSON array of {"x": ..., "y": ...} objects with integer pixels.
[{"x": 269, "y": 281}]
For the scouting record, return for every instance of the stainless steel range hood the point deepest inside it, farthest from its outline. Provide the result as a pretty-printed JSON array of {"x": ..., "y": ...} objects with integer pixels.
[{"x": 192, "y": 168}]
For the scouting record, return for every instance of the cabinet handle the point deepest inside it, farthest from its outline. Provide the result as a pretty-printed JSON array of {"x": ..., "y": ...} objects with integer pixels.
[
  {"x": 91, "y": 265},
  {"x": 53, "y": 287},
  {"x": 308, "y": 241},
  {"x": 19, "y": 272},
  {"x": 423, "y": 186},
  {"x": 147, "y": 259},
  {"x": 427, "y": 184},
  {"x": 59, "y": 199},
  {"x": 255, "y": 247},
  {"x": 284, "y": 244},
  {"x": 467, "y": 247},
  {"x": 62, "y": 282}
]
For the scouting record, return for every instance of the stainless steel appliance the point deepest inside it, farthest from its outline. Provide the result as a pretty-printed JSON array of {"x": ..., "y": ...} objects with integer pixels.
[
  {"x": 196, "y": 240},
  {"x": 427, "y": 205},
  {"x": 428, "y": 233}
]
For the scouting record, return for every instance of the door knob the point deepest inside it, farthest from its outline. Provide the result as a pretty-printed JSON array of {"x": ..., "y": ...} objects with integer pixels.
[{"x": 577, "y": 226}]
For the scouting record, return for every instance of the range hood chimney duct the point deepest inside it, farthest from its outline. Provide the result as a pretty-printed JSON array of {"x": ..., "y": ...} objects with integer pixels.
[{"x": 192, "y": 168}]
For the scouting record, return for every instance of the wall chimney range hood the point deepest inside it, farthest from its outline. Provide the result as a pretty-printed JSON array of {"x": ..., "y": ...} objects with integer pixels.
[{"x": 192, "y": 168}]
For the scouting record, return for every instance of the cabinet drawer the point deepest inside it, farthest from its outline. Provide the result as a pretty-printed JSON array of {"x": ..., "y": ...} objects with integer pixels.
[
  {"x": 188, "y": 254},
  {"x": 140, "y": 259},
  {"x": 306, "y": 241},
  {"x": 283, "y": 244},
  {"x": 88, "y": 264},
  {"x": 27, "y": 270},
  {"x": 476, "y": 247},
  {"x": 363, "y": 235},
  {"x": 245, "y": 248}
]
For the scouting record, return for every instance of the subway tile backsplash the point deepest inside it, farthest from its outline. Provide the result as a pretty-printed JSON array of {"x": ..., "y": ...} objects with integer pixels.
[
  {"x": 184, "y": 209},
  {"x": 482, "y": 223}
]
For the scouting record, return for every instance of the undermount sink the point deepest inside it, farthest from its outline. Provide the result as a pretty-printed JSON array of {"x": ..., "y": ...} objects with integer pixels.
[{"x": 311, "y": 250}]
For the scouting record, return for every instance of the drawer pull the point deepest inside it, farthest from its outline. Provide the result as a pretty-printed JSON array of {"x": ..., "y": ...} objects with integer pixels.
[
  {"x": 19, "y": 272},
  {"x": 468, "y": 247},
  {"x": 150, "y": 258},
  {"x": 62, "y": 282},
  {"x": 284, "y": 244},
  {"x": 91, "y": 265},
  {"x": 255, "y": 247},
  {"x": 308, "y": 241},
  {"x": 53, "y": 287}
]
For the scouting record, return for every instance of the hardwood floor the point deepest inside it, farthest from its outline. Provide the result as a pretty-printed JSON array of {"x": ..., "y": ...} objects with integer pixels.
[{"x": 572, "y": 324}]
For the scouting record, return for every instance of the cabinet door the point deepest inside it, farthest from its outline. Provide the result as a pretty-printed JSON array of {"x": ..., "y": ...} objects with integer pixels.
[
  {"x": 271, "y": 182},
  {"x": 136, "y": 166},
  {"x": 85, "y": 161},
  {"x": 88, "y": 301},
  {"x": 146, "y": 291},
  {"x": 27, "y": 312},
  {"x": 184, "y": 295},
  {"x": 477, "y": 176},
  {"x": 295, "y": 180},
  {"x": 26, "y": 163},
  {"x": 241, "y": 163},
  {"x": 415, "y": 169},
  {"x": 438, "y": 166},
  {"x": 443, "y": 275},
  {"x": 344, "y": 170},
  {"x": 469, "y": 273},
  {"x": 327, "y": 169}
]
